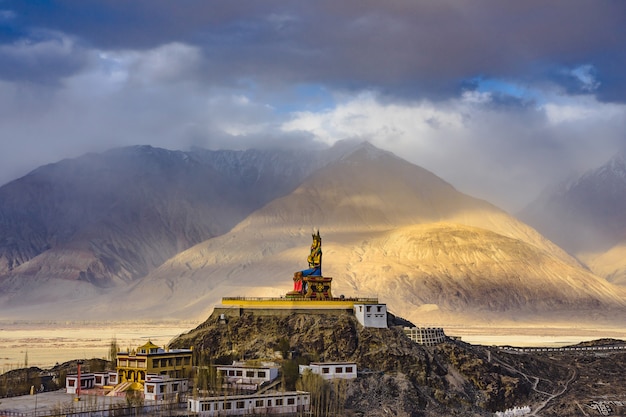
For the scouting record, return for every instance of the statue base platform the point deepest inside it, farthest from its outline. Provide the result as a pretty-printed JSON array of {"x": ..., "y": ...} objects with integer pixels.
[
  {"x": 294, "y": 294},
  {"x": 317, "y": 288}
]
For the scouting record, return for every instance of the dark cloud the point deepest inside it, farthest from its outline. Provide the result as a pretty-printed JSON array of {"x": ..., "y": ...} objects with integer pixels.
[
  {"x": 498, "y": 97},
  {"x": 45, "y": 58},
  {"x": 401, "y": 47}
]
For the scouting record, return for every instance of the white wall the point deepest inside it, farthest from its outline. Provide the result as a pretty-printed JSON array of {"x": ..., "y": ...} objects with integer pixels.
[
  {"x": 371, "y": 315},
  {"x": 332, "y": 370}
]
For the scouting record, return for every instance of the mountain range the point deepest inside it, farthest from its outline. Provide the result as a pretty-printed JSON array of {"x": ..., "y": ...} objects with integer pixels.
[
  {"x": 147, "y": 232},
  {"x": 587, "y": 217}
]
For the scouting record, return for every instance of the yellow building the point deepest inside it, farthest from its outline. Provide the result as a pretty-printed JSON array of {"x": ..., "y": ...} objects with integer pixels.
[{"x": 151, "y": 359}]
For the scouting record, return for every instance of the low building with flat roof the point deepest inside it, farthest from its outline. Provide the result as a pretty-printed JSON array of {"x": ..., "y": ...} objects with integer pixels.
[
  {"x": 248, "y": 376},
  {"x": 331, "y": 370},
  {"x": 162, "y": 387},
  {"x": 272, "y": 403},
  {"x": 87, "y": 381}
]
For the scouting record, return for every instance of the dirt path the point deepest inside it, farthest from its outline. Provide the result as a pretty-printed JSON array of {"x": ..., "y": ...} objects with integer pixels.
[
  {"x": 538, "y": 407},
  {"x": 536, "y": 410}
]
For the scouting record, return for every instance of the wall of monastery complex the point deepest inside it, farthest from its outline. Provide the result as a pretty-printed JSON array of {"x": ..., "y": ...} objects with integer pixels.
[{"x": 427, "y": 336}]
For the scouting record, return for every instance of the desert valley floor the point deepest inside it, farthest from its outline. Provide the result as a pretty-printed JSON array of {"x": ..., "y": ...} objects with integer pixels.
[{"x": 43, "y": 344}]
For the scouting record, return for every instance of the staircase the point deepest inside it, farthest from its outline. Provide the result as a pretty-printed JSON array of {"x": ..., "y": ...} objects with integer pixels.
[{"x": 119, "y": 388}]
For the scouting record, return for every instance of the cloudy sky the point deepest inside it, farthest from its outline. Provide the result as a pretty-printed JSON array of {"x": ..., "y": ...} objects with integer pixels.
[{"x": 500, "y": 98}]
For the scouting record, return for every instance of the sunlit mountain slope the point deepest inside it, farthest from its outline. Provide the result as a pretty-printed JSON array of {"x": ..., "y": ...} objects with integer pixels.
[{"x": 395, "y": 231}]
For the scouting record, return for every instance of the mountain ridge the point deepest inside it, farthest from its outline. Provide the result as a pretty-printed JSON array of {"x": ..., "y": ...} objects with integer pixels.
[
  {"x": 586, "y": 216},
  {"x": 256, "y": 233},
  {"x": 347, "y": 203}
]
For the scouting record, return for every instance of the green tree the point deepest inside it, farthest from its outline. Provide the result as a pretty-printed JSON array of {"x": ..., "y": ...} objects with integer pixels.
[
  {"x": 319, "y": 389},
  {"x": 113, "y": 349},
  {"x": 291, "y": 371}
]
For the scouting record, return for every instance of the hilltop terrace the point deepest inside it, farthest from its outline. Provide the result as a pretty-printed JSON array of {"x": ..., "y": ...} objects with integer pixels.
[
  {"x": 367, "y": 310},
  {"x": 297, "y": 302}
]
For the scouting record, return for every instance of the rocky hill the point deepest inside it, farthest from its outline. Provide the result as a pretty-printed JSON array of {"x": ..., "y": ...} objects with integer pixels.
[
  {"x": 404, "y": 378},
  {"x": 401, "y": 378}
]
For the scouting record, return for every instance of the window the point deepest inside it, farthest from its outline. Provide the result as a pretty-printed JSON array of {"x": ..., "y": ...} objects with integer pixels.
[
  {"x": 338, "y": 370},
  {"x": 368, "y": 308},
  {"x": 174, "y": 387},
  {"x": 239, "y": 373},
  {"x": 150, "y": 388},
  {"x": 231, "y": 373},
  {"x": 360, "y": 308},
  {"x": 240, "y": 404},
  {"x": 291, "y": 401},
  {"x": 379, "y": 308},
  {"x": 228, "y": 406},
  {"x": 279, "y": 401},
  {"x": 269, "y": 403},
  {"x": 161, "y": 389},
  {"x": 348, "y": 369},
  {"x": 261, "y": 374},
  {"x": 206, "y": 407},
  {"x": 250, "y": 374},
  {"x": 72, "y": 382},
  {"x": 325, "y": 370},
  {"x": 258, "y": 403}
]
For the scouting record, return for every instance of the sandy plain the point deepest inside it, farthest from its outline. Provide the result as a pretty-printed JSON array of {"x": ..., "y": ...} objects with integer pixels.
[
  {"x": 534, "y": 336},
  {"x": 43, "y": 344}
]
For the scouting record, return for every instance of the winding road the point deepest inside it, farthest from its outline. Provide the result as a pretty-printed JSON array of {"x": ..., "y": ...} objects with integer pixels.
[{"x": 538, "y": 407}]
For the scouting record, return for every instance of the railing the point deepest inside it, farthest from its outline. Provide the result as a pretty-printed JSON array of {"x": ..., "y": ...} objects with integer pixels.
[
  {"x": 355, "y": 299},
  {"x": 564, "y": 349}
]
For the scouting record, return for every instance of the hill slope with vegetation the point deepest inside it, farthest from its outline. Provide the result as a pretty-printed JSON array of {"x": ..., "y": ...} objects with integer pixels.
[{"x": 396, "y": 376}]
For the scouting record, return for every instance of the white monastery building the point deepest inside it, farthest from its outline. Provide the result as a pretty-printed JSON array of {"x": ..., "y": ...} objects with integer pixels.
[
  {"x": 331, "y": 370},
  {"x": 162, "y": 387},
  {"x": 371, "y": 315},
  {"x": 274, "y": 403},
  {"x": 247, "y": 376},
  {"x": 87, "y": 381}
]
